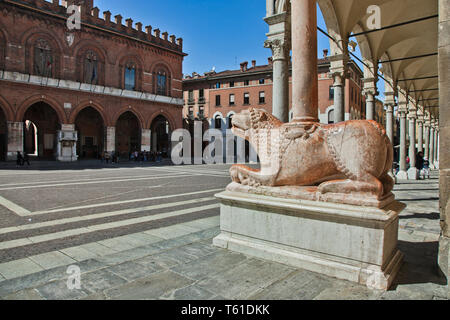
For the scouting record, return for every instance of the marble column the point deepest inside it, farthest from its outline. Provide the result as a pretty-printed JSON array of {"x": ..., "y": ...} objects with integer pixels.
[
  {"x": 370, "y": 90},
  {"x": 402, "y": 174},
  {"x": 432, "y": 145},
  {"x": 370, "y": 104},
  {"x": 389, "y": 103},
  {"x": 304, "y": 61},
  {"x": 413, "y": 173},
  {"x": 280, "y": 97},
  {"x": 339, "y": 97},
  {"x": 436, "y": 145},
  {"x": 15, "y": 140},
  {"x": 420, "y": 134},
  {"x": 110, "y": 145},
  {"x": 427, "y": 137}
]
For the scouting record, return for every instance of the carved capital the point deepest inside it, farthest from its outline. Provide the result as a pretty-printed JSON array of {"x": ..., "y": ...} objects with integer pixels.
[{"x": 279, "y": 48}]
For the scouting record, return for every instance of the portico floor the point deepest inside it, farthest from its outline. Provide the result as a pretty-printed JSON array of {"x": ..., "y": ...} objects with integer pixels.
[{"x": 176, "y": 260}]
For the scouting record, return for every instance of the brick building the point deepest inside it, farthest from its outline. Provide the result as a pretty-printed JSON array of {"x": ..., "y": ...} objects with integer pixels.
[
  {"x": 216, "y": 97},
  {"x": 69, "y": 94}
]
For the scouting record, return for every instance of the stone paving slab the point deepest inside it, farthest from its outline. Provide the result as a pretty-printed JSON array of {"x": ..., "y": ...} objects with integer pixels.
[{"x": 181, "y": 263}]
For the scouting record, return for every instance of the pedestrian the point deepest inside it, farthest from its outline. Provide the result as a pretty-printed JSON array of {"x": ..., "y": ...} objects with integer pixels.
[
  {"x": 26, "y": 159},
  {"x": 19, "y": 160},
  {"x": 426, "y": 168},
  {"x": 419, "y": 162}
]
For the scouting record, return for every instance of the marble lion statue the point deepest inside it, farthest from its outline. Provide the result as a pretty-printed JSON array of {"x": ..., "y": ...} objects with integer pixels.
[{"x": 351, "y": 158}]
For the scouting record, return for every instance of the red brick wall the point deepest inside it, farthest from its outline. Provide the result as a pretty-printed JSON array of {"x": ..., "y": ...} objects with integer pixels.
[{"x": 20, "y": 27}]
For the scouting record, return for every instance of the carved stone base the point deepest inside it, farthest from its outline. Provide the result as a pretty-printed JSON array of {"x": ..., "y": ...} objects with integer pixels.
[
  {"x": 402, "y": 175},
  {"x": 312, "y": 194},
  {"x": 348, "y": 242},
  {"x": 413, "y": 174}
]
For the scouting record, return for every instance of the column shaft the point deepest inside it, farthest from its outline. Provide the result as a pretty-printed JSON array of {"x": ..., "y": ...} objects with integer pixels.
[
  {"x": 280, "y": 95},
  {"x": 339, "y": 99},
  {"x": 370, "y": 106},
  {"x": 110, "y": 135},
  {"x": 390, "y": 122},
  {"x": 412, "y": 142},
  {"x": 431, "y": 159},
  {"x": 402, "y": 142},
  {"x": 420, "y": 140},
  {"x": 427, "y": 142},
  {"x": 304, "y": 61}
]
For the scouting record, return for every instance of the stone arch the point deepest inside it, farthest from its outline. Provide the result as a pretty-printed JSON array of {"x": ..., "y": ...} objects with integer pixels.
[
  {"x": 28, "y": 41},
  {"x": 7, "y": 109},
  {"x": 165, "y": 115},
  {"x": 129, "y": 125},
  {"x": 160, "y": 134},
  {"x": 41, "y": 98},
  {"x": 333, "y": 26},
  {"x": 216, "y": 116},
  {"x": 123, "y": 110},
  {"x": 85, "y": 104},
  {"x": 131, "y": 60},
  {"x": 90, "y": 123}
]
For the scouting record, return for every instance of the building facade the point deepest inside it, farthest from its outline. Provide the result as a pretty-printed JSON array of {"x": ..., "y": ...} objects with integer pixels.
[
  {"x": 68, "y": 94},
  {"x": 216, "y": 97}
]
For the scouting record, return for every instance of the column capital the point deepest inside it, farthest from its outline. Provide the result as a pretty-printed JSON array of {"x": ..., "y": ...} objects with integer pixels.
[{"x": 279, "y": 47}]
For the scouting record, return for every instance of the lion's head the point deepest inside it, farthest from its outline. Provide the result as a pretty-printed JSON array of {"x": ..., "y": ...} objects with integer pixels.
[{"x": 253, "y": 119}]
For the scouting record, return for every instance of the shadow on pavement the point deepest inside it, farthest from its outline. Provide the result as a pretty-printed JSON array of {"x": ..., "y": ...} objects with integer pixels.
[{"x": 420, "y": 264}]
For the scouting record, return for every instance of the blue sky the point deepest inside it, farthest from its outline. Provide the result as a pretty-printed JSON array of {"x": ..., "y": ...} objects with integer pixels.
[{"x": 219, "y": 34}]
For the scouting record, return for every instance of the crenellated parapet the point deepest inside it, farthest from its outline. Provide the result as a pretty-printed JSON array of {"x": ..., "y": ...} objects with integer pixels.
[{"x": 90, "y": 17}]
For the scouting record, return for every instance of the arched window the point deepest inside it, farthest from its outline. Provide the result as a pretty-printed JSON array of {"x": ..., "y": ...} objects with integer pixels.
[
  {"x": 43, "y": 59},
  {"x": 218, "y": 122},
  {"x": 91, "y": 68},
  {"x": 161, "y": 83},
  {"x": 130, "y": 76},
  {"x": 331, "y": 116}
]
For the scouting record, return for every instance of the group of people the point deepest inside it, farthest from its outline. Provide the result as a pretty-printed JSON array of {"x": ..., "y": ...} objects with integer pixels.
[
  {"x": 146, "y": 156},
  {"x": 21, "y": 160},
  {"x": 422, "y": 164},
  {"x": 143, "y": 156}
]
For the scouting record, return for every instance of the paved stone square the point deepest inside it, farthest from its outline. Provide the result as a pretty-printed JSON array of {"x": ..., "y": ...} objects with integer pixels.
[{"x": 145, "y": 232}]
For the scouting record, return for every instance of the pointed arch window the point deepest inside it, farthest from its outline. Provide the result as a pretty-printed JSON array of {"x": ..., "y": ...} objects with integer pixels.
[
  {"x": 91, "y": 67},
  {"x": 43, "y": 58},
  {"x": 130, "y": 76},
  {"x": 161, "y": 83}
]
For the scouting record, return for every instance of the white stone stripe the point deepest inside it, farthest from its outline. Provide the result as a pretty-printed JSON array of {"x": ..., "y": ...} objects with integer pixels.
[
  {"x": 62, "y": 181},
  {"x": 13, "y": 207},
  {"x": 99, "y": 216},
  {"x": 95, "y": 182},
  {"x": 105, "y": 226},
  {"x": 22, "y": 267},
  {"x": 124, "y": 202}
]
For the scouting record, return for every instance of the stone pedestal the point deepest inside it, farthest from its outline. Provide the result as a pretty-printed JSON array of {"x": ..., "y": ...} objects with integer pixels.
[
  {"x": 110, "y": 133},
  {"x": 66, "y": 150},
  {"x": 146, "y": 140},
  {"x": 348, "y": 242},
  {"x": 413, "y": 174},
  {"x": 402, "y": 175}
]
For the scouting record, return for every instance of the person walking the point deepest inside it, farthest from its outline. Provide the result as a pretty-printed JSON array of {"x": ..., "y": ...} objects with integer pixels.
[
  {"x": 426, "y": 168},
  {"x": 26, "y": 159},
  {"x": 19, "y": 160},
  {"x": 419, "y": 162}
]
